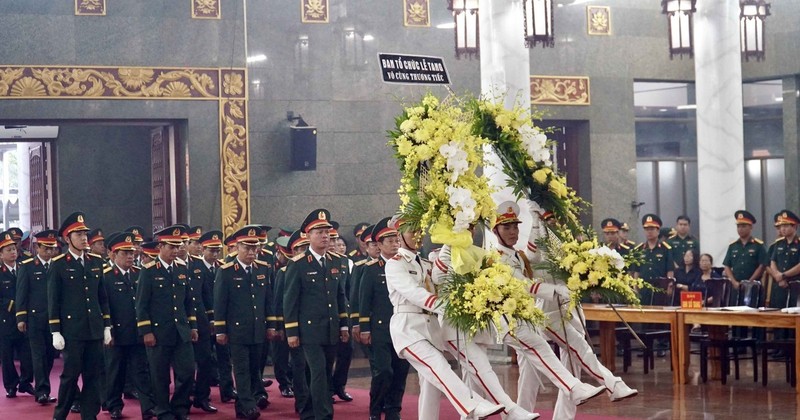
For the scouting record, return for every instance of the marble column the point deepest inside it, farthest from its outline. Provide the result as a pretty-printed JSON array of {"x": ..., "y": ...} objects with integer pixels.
[
  {"x": 24, "y": 184},
  {"x": 791, "y": 140},
  {"x": 505, "y": 75},
  {"x": 720, "y": 152}
]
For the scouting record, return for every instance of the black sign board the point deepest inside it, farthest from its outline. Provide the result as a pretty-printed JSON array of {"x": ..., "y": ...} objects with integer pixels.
[{"x": 413, "y": 69}]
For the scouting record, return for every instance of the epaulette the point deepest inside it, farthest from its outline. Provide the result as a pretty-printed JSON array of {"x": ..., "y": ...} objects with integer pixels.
[
  {"x": 150, "y": 264},
  {"x": 298, "y": 257},
  {"x": 666, "y": 245},
  {"x": 758, "y": 241},
  {"x": 283, "y": 269},
  {"x": 259, "y": 262},
  {"x": 105, "y": 265},
  {"x": 195, "y": 257},
  {"x": 641, "y": 245},
  {"x": 180, "y": 261},
  {"x": 353, "y": 252},
  {"x": 221, "y": 261},
  {"x": 267, "y": 251},
  {"x": 270, "y": 243},
  {"x": 26, "y": 261},
  {"x": 776, "y": 241},
  {"x": 95, "y": 255},
  {"x": 136, "y": 268},
  {"x": 623, "y": 246},
  {"x": 672, "y": 236},
  {"x": 371, "y": 262},
  {"x": 734, "y": 242},
  {"x": 57, "y": 257},
  {"x": 397, "y": 257},
  {"x": 106, "y": 270},
  {"x": 226, "y": 265},
  {"x": 233, "y": 254},
  {"x": 361, "y": 262},
  {"x": 335, "y": 254}
]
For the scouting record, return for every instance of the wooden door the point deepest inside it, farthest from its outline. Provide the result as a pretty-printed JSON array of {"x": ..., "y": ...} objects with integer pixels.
[
  {"x": 160, "y": 176},
  {"x": 38, "y": 187}
]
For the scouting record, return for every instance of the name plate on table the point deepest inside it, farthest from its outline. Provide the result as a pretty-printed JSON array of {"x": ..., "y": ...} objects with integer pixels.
[{"x": 691, "y": 300}]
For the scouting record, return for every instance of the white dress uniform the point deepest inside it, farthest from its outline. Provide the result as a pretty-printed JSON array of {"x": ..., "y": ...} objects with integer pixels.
[
  {"x": 416, "y": 336},
  {"x": 580, "y": 352}
]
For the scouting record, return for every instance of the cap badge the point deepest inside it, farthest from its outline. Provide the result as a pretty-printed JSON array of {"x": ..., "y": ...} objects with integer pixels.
[
  {"x": 649, "y": 218},
  {"x": 128, "y": 239},
  {"x": 251, "y": 232},
  {"x": 321, "y": 215},
  {"x": 80, "y": 218},
  {"x": 176, "y": 232},
  {"x": 215, "y": 237}
]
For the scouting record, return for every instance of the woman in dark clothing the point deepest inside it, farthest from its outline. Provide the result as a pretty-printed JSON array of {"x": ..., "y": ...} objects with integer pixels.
[
  {"x": 706, "y": 273},
  {"x": 687, "y": 275}
]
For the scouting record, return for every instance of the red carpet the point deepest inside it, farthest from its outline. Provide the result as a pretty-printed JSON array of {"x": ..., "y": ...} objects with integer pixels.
[{"x": 25, "y": 408}]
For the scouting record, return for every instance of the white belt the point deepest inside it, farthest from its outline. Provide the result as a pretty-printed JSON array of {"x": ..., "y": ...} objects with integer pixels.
[{"x": 410, "y": 309}]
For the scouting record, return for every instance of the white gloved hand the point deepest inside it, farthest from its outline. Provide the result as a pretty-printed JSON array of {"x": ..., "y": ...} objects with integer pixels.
[
  {"x": 107, "y": 335},
  {"x": 562, "y": 292},
  {"x": 58, "y": 341}
]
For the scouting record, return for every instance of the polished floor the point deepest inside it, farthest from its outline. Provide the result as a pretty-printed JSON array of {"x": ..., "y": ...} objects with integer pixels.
[{"x": 658, "y": 398}]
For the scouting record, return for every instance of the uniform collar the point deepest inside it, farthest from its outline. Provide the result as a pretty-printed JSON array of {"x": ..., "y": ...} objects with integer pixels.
[
  {"x": 10, "y": 267},
  {"x": 504, "y": 250},
  {"x": 164, "y": 264},
  {"x": 316, "y": 256},
  {"x": 77, "y": 257},
  {"x": 406, "y": 254},
  {"x": 243, "y": 265},
  {"x": 43, "y": 261}
]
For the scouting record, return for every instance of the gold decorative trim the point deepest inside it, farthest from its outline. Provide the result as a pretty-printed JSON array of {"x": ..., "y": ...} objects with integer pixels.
[
  {"x": 314, "y": 11},
  {"x": 90, "y": 7},
  {"x": 417, "y": 13},
  {"x": 559, "y": 90},
  {"x": 206, "y": 9},
  {"x": 227, "y": 86},
  {"x": 598, "y": 20}
]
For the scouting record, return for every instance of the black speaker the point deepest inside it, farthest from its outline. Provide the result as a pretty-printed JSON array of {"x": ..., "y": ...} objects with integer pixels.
[{"x": 304, "y": 148}]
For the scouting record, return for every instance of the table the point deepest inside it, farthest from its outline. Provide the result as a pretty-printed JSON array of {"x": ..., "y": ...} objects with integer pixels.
[
  {"x": 646, "y": 315},
  {"x": 727, "y": 318}
]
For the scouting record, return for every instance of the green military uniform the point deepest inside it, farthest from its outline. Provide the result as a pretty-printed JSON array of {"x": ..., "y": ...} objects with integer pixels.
[
  {"x": 243, "y": 311},
  {"x": 164, "y": 308},
  {"x": 11, "y": 339},
  {"x": 743, "y": 259},
  {"x": 389, "y": 372},
  {"x": 77, "y": 306},
  {"x": 315, "y": 311},
  {"x": 656, "y": 262},
  {"x": 32, "y": 310},
  {"x": 17, "y": 235},
  {"x": 356, "y": 255},
  {"x": 786, "y": 255},
  {"x": 680, "y": 246},
  {"x": 127, "y": 356},
  {"x": 201, "y": 286}
]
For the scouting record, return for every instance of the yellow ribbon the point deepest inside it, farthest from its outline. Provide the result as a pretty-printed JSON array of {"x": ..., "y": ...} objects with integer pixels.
[{"x": 464, "y": 258}]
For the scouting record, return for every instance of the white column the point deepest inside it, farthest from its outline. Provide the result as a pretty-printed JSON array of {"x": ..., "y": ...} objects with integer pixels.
[
  {"x": 720, "y": 151},
  {"x": 24, "y": 184},
  {"x": 505, "y": 70}
]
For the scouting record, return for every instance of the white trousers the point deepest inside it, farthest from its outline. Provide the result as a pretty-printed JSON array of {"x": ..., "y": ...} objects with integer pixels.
[{"x": 431, "y": 365}]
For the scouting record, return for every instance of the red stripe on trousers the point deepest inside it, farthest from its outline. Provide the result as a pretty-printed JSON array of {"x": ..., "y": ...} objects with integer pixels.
[
  {"x": 476, "y": 374},
  {"x": 440, "y": 381},
  {"x": 544, "y": 363},
  {"x": 588, "y": 369}
]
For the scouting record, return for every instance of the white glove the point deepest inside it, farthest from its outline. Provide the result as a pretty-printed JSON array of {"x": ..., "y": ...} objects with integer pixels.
[
  {"x": 561, "y": 292},
  {"x": 58, "y": 341},
  {"x": 107, "y": 335}
]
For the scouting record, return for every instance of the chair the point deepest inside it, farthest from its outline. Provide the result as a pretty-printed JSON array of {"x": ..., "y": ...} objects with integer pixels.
[
  {"x": 785, "y": 345},
  {"x": 749, "y": 295},
  {"x": 648, "y": 336}
]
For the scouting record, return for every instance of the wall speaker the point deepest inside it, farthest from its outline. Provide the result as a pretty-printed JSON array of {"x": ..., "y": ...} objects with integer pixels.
[{"x": 304, "y": 148}]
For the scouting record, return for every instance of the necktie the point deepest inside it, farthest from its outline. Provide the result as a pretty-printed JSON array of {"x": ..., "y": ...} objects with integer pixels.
[
  {"x": 46, "y": 266},
  {"x": 322, "y": 262},
  {"x": 128, "y": 277},
  {"x": 80, "y": 260},
  {"x": 249, "y": 272},
  {"x": 169, "y": 269},
  {"x": 14, "y": 272},
  {"x": 213, "y": 269}
]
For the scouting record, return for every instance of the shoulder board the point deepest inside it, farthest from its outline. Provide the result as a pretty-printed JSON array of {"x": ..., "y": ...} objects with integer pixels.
[
  {"x": 95, "y": 255},
  {"x": 150, "y": 264},
  {"x": 623, "y": 246},
  {"x": 335, "y": 254},
  {"x": 270, "y": 243},
  {"x": 233, "y": 254},
  {"x": 734, "y": 242},
  {"x": 283, "y": 269},
  {"x": 373, "y": 262},
  {"x": 672, "y": 236},
  {"x": 776, "y": 241},
  {"x": 106, "y": 270},
  {"x": 105, "y": 264},
  {"x": 397, "y": 257},
  {"x": 180, "y": 261},
  {"x": 267, "y": 251},
  {"x": 58, "y": 257},
  {"x": 221, "y": 261},
  {"x": 226, "y": 265},
  {"x": 298, "y": 257},
  {"x": 26, "y": 261},
  {"x": 641, "y": 245},
  {"x": 666, "y": 245},
  {"x": 195, "y": 257},
  {"x": 758, "y": 241},
  {"x": 360, "y": 262},
  {"x": 259, "y": 262},
  {"x": 353, "y": 252},
  {"x": 136, "y": 268}
]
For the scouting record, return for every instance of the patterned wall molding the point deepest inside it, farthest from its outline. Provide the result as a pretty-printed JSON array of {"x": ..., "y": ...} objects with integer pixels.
[
  {"x": 90, "y": 7},
  {"x": 417, "y": 13},
  {"x": 560, "y": 90},
  {"x": 227, "y": 86},
  {"x": 314, "y": 11},
  {"x": 206, "y": 9},
  {"x": 598, "y": 20}
]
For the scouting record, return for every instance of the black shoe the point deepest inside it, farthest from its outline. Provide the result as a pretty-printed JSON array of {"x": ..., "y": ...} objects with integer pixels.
[
  {"x": 11, "y": 393},
  {"x": 45, "y": 399},
  {"x": 250, "y": 415},
  {"x": 266, "y": 382},
  {"x": 180, "y": 417},
  {"x": 262, "y": 402},
  {"x": 116, "y": 414},
  {"x": 76, "y": 407},
  {"x": 343, "y": 395},
  {"x": 287, "y": 393},
  {"x": 133, "y": 395},
  {"x": 205, "y": 406},
  {"x": 28, "y": 389},
  {"x": 230, "y": 397},
  {"x": 149, "y": 414}
]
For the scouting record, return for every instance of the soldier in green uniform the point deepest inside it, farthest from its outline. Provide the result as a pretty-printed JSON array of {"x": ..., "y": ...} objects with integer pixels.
[
  {"x": 194, "y": 248},
  {"x": 315, "y": 309},
  {"x": 97, "y": 244},
  {"x": 611, "y": 229},
  {"x": 389, "y": 372},
  {"x": 360, "y": 251},
  {"x": 32, "y": 311},
  {"x": 364, "y": 237},
  {"x": 239, "y": 286},
  {"x": 280, "y": 350},
  {"x": 16, "y": 236},
  {"x": 624, "y": 230},
  {"x": 785, "y": 260},
  {"x": 656, "y": 256},
  {"x": 344, "y": 350},
  {"x": 746, "y": 257},
  {"x": 11, "y": 339},
  {"x": 266, "y": 254},
  {"x": 682, "y": 240},
  {"x": 202, "y": 272},
  {"x": 126, "y": 354},
  {"x": 297, "y": 244},
  {"x": 138, "y": 239},
  {"x": 167, "y": 324},
  {"x": 80, "y": 321},
  {"x": 149, "y": 252}
]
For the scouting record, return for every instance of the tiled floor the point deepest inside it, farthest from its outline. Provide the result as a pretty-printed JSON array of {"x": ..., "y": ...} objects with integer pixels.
[{"x": 658, "y": 398}]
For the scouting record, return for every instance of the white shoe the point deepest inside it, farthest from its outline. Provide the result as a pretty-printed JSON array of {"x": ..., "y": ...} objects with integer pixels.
[
  {"x": 485, "y": 409},
  {"x": 519, "y": 413},
  {"x": 622, "y": 391},
  {"x": 583, "y": 392}
]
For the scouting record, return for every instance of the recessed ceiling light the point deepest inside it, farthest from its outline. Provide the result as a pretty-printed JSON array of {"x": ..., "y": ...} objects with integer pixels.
[{"x": 256, "y": 58}]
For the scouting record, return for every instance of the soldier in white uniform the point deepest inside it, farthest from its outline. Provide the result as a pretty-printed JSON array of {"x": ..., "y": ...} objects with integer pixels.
[
  {"x": 415, "y": 330},
  {"x": 574, "y": 347}
]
